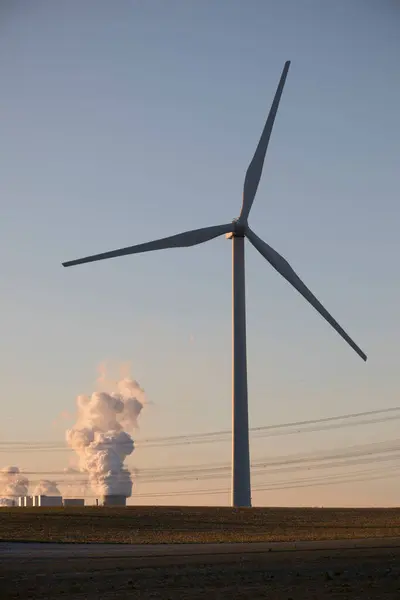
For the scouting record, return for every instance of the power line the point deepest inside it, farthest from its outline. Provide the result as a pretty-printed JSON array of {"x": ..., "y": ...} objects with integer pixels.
[
  {"x": 262, "y": 467},
  {"x": 323, "y": 424},
  {"x": 378, "y": 452},
  {"x": 336, "y": 479},
  {"x": 322, "y": 482}
]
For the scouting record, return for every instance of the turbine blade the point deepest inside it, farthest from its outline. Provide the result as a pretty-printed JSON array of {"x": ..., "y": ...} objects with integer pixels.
[
  {"x": 180, "y": 240},
  {"x": 281, "y": 265},
  {"x": 253, "y": 174}
]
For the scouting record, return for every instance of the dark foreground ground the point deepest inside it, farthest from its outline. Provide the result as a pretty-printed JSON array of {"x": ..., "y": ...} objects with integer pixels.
[
  {"x": 152, "y": 525},
  {"x": 302, "y": 574},
  {"x": 177, "y": 570}
]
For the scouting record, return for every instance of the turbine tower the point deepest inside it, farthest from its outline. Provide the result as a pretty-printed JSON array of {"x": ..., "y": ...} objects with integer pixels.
[{"x": 237, "y": 231}]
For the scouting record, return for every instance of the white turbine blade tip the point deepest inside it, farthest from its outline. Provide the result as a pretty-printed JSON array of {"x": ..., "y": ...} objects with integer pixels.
[{"x": 281, "y": 265}]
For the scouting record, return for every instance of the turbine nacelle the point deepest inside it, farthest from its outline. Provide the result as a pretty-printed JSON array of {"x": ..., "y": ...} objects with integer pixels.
[{"x": 239, "y": 228}]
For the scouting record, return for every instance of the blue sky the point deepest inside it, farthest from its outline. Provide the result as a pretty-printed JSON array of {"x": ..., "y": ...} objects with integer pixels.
[{"x": 125, "y": 121}]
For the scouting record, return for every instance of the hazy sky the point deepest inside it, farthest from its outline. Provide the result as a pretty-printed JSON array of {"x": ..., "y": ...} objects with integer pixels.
[{"x": 125, "y": 121}]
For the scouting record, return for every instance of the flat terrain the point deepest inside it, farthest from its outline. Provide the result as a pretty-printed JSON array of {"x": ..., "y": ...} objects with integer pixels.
[
  {"x": 170, "y": 525},
  {"x": 177, "y": 553},
  {"x": 365, "y": 569}
]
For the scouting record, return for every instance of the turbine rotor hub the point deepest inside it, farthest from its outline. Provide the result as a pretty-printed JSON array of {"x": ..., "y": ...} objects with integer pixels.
[{"x": 239, "y": 228}]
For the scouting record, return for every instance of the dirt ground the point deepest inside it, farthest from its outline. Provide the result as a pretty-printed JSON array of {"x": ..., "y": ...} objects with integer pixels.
[
  {"x": 365, "y": 573},
  {"x": 152, "y": 525},
  {"x": 300, "y": 575}
]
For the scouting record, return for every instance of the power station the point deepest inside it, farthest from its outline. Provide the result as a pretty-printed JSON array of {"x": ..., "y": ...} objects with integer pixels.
[{"x": 43, "y": 500}]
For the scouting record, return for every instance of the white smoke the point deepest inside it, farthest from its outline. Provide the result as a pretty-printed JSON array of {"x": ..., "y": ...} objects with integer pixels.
[
  {"x": 45, "y": 487},
  {"x": 76, "y": 485},
  {"x": 12, "y": 485},
  {"x": 7, "y": 502},
  {"x": 100, "y": 436}
]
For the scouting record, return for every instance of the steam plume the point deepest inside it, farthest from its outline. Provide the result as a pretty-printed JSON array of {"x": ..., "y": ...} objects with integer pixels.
[
  {"x": 45, "y": 487},
  {"x": 6, "y": 502},
  {"x": 75, "y": 486},
  {"x": 100, "y": 436},
  {"x": 12, "y": 485}
]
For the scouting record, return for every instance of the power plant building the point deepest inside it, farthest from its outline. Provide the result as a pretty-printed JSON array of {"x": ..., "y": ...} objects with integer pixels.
[
  {"x": 25, "y": 501},
  {"x": 114, "y": 500},
  {"x": 74, "y": 502},
  {"x": 47, "y": 501},
  {"x": 43, "y": 501}
]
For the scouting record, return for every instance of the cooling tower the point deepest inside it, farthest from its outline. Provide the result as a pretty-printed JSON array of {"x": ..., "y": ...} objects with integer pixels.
[{"x": 114, "y": 500}]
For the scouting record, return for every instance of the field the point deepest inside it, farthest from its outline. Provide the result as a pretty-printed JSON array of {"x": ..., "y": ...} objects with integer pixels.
[
  {"x": 147, "y": 525},
  {"x": 363, "y": 573}
]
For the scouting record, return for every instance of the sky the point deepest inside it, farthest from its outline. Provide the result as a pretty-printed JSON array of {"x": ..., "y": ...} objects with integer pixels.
[{"x": 126, "y": 121}]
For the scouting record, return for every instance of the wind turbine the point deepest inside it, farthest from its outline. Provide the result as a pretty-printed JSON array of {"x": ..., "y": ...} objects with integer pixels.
[{"x": 237, "y": 231}]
